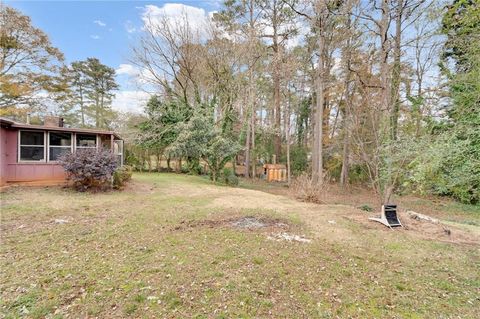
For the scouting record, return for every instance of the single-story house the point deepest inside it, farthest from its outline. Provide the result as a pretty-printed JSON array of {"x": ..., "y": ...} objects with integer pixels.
[{"x": 28, "y": 153}]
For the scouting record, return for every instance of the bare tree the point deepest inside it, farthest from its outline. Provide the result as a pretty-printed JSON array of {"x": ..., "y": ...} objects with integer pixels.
[
  {"x": 405, "y": 13},
  {"x": 241, "y": 20},
  {"x": 167, "y": 55},
  {"x": 279, "y": 19},
  {"x": 347, "y": 56},
  {"x": 322, "y": 15}
]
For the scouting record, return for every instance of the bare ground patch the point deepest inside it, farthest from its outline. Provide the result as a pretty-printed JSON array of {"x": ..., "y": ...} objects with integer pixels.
[
  {"x": 326, "y": 220},
  {"x": 276, "y": 229},
  {"x": 248, "y": 223},
  {"x": 436, "y": 231}
]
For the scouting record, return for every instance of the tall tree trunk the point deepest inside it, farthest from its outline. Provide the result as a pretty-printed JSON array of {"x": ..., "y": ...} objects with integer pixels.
[
  {"x": 277, "y": 140},
  {"x": 387, "y": 189},
  {"x": 346, "y": 140},
  {"x": 101, "y": 111},
  {"x": 247, "y": 147},
  {"x": 345, "y": 158},
  {"x": 247, "y": 150},
  {"x": 347, "y": 57},
  {"x": 158, "y": 155},
  {"x": 253, "y": 120},
  {"x": 97, "y": 113},
  {"x": 287, "y": 137},
  {"x": 396, "y": 72},
  {"x": 418, "y": 111},
  {"x": 321, "y": 15},
  {"x": 249, "y": 122},
  {"x": 276, "y": 100},
  {"x": 82, "y": 107}
]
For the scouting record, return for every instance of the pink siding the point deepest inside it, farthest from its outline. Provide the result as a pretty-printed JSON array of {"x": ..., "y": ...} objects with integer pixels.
[
  {"x": 3, "y": 156},
  {"x": 12, "y": 171}
]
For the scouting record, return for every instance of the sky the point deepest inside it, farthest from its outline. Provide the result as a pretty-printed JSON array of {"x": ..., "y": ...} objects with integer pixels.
[{"x": 106, "y": 30}]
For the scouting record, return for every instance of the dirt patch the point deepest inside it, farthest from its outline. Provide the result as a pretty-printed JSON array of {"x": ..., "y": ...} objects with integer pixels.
[
  {"x": 438, "y": 231},
  {"x": 273, "y": 229},
  {"x": 248, "y": 222},
  {"x": 251, "y": 222},
  {"x": 422, "y": 228},
  {"x": 243, "y": 222}
]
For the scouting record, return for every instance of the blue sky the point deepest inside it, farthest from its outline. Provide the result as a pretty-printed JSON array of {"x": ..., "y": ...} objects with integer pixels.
[{"x": 102, "y": 29}]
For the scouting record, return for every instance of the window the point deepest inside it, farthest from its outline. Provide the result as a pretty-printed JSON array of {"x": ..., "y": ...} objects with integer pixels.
[
  {"x": 86, "y": 141},
  {"x": 32, "y": 146},
  {"x": 118, "y": 151},
  {"x": 58, "y": 143}
]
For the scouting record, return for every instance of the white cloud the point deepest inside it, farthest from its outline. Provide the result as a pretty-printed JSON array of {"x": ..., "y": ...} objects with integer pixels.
[
  {"x": 215, "y": 3},
  {"x": 100, "y": 23},
  {"x": 135, "y": 75},
  {"x": 176, "y": 14},
  {"x": 127, "y": 69},
  {"x": 130, "y": 101},
  {"x": 95, "y": 36},
  {"x": 130, "y": 27}
]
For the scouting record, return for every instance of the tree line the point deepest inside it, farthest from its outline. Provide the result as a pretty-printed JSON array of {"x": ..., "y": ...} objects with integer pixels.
[{"x": 383, "y": 93}]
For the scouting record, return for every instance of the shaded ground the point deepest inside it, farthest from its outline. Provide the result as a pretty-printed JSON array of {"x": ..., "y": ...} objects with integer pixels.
[{"x": 177, "y": 246}]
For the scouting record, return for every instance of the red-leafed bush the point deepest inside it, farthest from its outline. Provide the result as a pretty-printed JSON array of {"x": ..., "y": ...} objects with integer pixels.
[{"x": 89, "y": 169}]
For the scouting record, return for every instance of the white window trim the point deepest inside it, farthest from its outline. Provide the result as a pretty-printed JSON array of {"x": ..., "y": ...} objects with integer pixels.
[
  {"x": 57, "y": 146},
  {"x": 19, "y": 147}
]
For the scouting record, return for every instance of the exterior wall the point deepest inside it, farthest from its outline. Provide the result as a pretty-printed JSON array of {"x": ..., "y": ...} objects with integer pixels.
[
  {"x": 12, "y": 171},
  {"x": 3, "y": 156}
]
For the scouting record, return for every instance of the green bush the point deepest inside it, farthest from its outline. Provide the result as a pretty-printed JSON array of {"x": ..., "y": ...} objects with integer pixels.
[
  {"x": 132, "y": 159},
  {"x": 298, "y": 160},
  {"x": 449, "y": 165},
  {"x": 357, "y": 173},
  {"x": 232, "y": 180},
  {"x": 121, "y": 176},
  {"x": 227, "y": 171},
  {"x": 229, "y": 177}
]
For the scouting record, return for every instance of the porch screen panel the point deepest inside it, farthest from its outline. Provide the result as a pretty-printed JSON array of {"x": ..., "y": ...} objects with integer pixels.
[
  {"x": 32, "y": 146},
  {"x": 118, "y": 151},
  {"x": 59, "y": 143},
  {"x": 86, "y": 141}
]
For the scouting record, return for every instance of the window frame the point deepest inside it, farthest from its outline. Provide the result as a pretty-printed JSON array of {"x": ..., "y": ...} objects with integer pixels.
[
  {"x": 121, "y": 151},
  {"x": 72, "y": 137},
  {"x": 46, "y": 145},
  {"x": 86, "y": 147},
  {"x": 19, "y": 147}
]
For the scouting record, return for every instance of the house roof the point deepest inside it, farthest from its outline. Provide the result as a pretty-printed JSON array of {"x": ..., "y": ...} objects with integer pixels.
[{"x": 18, "y": 125}]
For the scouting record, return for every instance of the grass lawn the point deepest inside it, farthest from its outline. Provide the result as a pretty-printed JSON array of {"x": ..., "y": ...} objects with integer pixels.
[{"x": 166, "y": 247}]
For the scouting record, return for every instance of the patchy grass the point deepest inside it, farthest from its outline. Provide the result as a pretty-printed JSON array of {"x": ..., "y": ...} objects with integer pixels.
[{"x": 131, "y": 254}]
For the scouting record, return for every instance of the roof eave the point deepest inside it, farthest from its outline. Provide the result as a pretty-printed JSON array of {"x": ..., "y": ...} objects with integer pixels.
[{"x": 64, "y": 129}]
